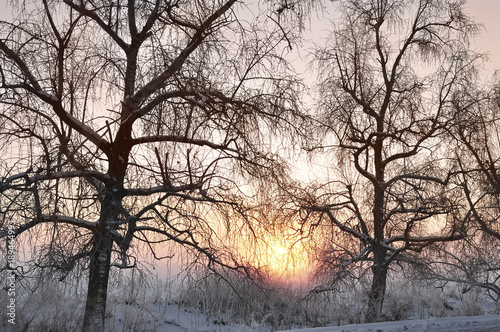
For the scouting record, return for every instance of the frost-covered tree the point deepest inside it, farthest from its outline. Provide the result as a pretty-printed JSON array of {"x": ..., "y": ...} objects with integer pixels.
[
  {"x": 132, "y": 121},
  {"x": 388, "y": 75},
  {"x": 476, "y": 141}
]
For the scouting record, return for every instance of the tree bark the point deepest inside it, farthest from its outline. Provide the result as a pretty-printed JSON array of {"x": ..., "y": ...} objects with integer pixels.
[
  {"x": 379, "y": 283},
  {"x": 100, "y": 262},
  {"x": 95, "y": 308},
  {"x": 379, "y": 267}
]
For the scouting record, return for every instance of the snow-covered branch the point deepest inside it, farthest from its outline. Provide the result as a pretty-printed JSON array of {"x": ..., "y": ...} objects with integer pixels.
[
  {"x": 326, "y": 210},
  {"x": 10, "y": 182},
  {"x": 425, "y": 239},
  {"x": 416, "y": 177},
  {"x": 162, "y": 189},
  {"x": 60, "y": 219},
  {"x": 183, "y": 139},
  {"x": 35, "y": 88},
  {"x": 202, "y": 31}
]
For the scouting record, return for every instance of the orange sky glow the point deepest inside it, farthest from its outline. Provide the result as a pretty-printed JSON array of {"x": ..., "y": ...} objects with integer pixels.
[{"x": 282, "y": 256}]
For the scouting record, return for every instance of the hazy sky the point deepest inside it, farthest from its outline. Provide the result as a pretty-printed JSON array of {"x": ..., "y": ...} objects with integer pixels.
[{"x": 487, "y": 12}]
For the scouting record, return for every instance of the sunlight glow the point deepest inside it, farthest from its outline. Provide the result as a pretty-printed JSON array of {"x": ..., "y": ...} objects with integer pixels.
[
  {"x": 282, "y": 258},
  {"x": 281, "y": 251}
]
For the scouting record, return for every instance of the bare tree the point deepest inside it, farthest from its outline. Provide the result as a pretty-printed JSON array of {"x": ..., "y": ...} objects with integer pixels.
[
  {"x": 127, "y": 121},
  {"x": 388, "y": 77},
  {"x": 469, "y": 263},
  {"x": 475, "y": 140}
]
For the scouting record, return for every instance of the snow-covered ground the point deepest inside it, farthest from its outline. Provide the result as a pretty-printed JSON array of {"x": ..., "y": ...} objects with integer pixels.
[
  {"x": 490, "y": 323},
  {"x": 144, "y": 303},
  {"x": 175, "y": 319},
  {"x": 182, "y": 320}
]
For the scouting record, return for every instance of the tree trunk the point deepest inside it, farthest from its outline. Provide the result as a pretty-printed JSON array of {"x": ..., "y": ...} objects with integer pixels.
[
  {"x": 98, "y": 284},
  {"x": 379, "y": 283},
  {"x": 100, "y": 262},
  {"x": 379, "y": 267}
]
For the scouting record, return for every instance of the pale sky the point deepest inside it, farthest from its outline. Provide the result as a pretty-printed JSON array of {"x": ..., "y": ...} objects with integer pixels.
[{"x": 487, "y": 12}]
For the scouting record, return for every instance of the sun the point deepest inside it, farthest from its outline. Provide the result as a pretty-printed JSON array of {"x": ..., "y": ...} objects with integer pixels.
[
  {"x": 280, "y": 256},
  {"x": 283, "y": 259},
  {"x": 281, "y": 251}
]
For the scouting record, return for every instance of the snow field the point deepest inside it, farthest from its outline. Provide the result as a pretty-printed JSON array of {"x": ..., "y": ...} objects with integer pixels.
[{"x": 141, "y": 302}]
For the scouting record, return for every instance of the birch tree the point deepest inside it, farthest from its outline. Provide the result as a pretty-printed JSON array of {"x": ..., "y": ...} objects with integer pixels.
[
  {"x": 388, "y": 75},
  {"x": 476, "y": 135},
  {"x": 475, "y": 140},
  {"x": 133, "y": 121}
]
